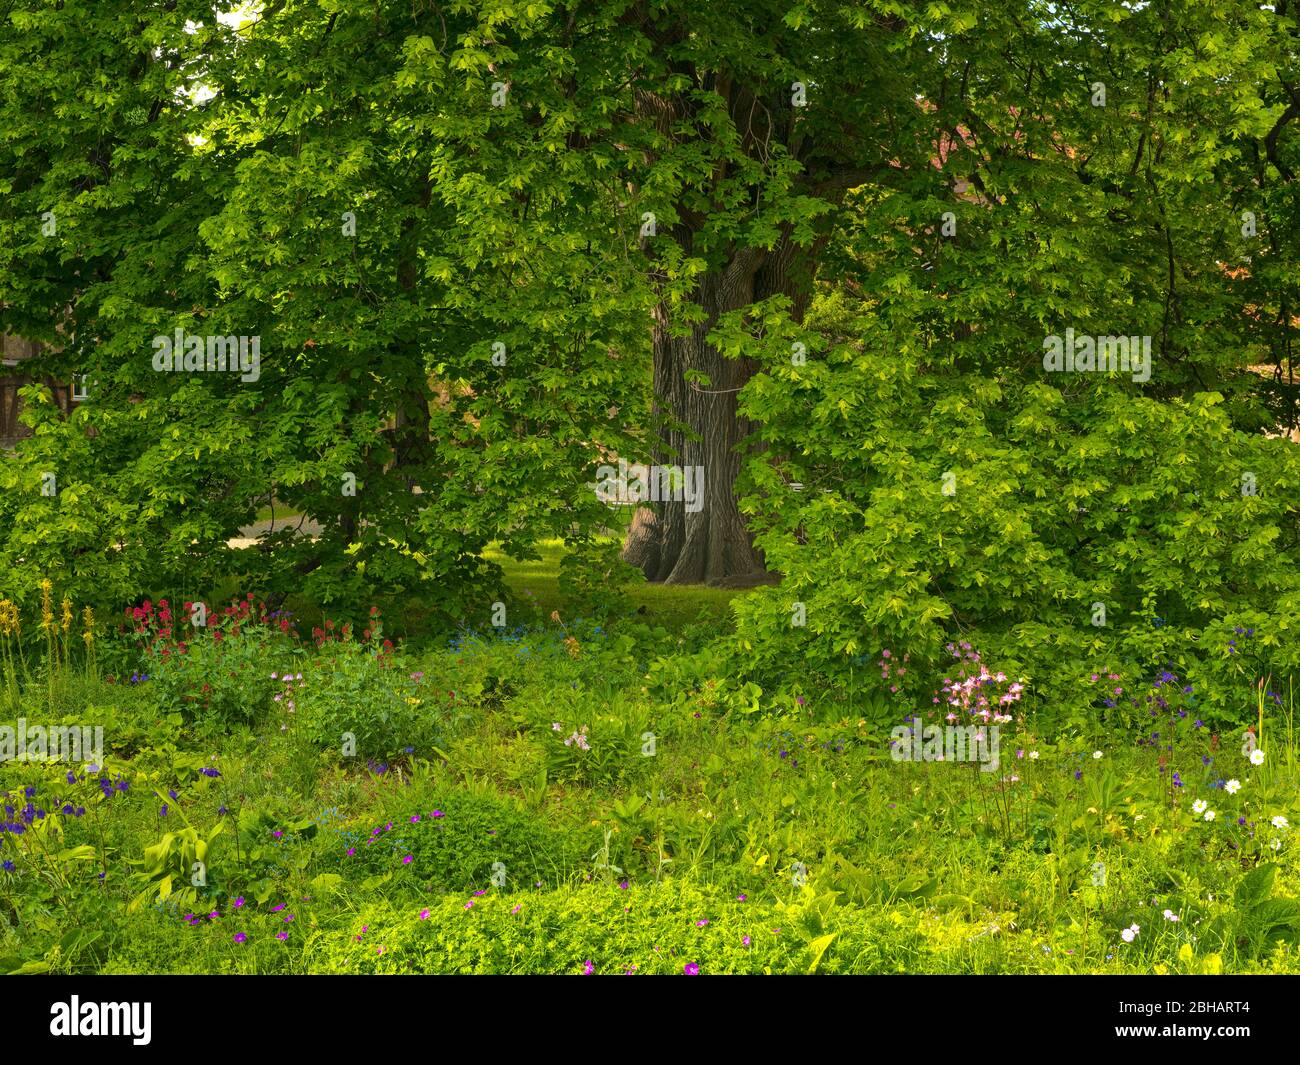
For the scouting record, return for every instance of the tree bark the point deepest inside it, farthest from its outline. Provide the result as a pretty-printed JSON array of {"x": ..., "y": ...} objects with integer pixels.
[{"x": 711, "y": 545}]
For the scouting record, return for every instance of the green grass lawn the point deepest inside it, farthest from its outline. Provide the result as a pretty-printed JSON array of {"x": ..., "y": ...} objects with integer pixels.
[{"x": 672, "y": 606}]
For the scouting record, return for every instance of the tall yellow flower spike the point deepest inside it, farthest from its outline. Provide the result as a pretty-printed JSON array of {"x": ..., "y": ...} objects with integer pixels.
[{"x": 47, "y": 613}]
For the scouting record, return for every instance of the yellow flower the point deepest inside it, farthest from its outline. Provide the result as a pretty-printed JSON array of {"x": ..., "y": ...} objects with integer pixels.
[
  {"x": 88, "y": 617},
  {"x": 67, "y": 615}
]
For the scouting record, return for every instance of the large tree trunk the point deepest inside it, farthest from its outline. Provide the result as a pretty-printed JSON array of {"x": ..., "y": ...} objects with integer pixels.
[{"x": 712, "y": 545}]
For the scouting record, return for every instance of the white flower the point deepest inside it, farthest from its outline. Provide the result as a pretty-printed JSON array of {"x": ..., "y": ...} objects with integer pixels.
[
  {"x": 1033, "y": 754},
  {"x": 1209, "y": 815},
  {"x": 1280, "y": 822},
  {"x": 1276, "y": 844},
  {"x": 1232, "y": 787},
  {"x": 1130, "y": 933},
  {"x": 1198, "y": 807},
  {"x": 1257, "y": 757},
  {"x": 1096, "y": 754},
  {"x": 1170, "y": 915},
  {"x": 556, "y": 726}
]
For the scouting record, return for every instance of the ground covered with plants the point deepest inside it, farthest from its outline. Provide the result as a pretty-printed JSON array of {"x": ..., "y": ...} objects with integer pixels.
[{"x": 576, "y": 797}]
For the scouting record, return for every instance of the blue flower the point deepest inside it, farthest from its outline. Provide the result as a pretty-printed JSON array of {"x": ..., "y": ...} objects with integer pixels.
[{"x": 8, "y": 866}]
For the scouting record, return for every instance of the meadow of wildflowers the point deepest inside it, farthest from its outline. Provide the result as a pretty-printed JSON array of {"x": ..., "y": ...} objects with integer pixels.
[{"x": 542, "y": 802}]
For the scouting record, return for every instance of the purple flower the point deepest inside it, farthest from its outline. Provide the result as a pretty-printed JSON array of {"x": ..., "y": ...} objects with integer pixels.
[
  {"x": 588, "y": 969},
  {"x": 281, "y": 936},
  {"x": 240, "y": 937},
  {"x": 691, "y": 969}
]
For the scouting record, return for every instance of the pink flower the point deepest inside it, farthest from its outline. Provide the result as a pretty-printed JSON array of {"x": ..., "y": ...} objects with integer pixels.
[
  {"x": 691, "y": 969},
  {"x": 588, "y": 969},
  {"x": 424, "y": 915}
]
